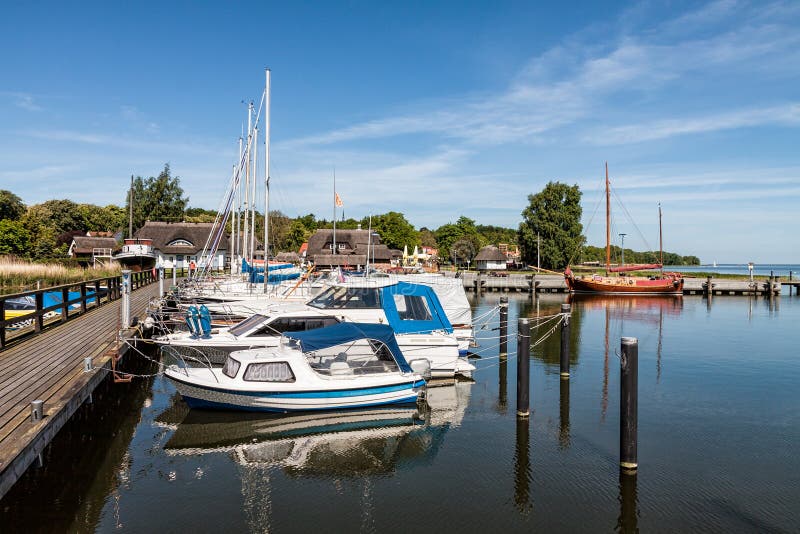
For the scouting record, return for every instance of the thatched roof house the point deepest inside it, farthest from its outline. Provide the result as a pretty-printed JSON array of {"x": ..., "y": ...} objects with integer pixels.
[
  {"x": 490, "y": 257},
  {"x": 178, "y": 243},
  {"x": 351, "y": 248}
]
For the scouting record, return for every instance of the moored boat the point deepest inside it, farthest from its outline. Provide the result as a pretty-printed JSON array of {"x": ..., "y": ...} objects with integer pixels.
[
  {"x": 338, "y": 367},
  {"x": 657, "y": 284}
]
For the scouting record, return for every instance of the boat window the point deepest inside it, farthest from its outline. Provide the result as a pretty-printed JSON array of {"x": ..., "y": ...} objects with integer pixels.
[
  {"x": 269, "y": 372},
  {"x": 248, "y": 324},
  {"x": 339, "y": 297},
  {"x": 294, "y": 324},
  {"x": 412, "y": 308},
  {"x": 231, "y": 367}
]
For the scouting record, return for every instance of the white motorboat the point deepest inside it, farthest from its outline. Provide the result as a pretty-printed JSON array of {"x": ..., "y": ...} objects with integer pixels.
[
  {"x": 137, "y": 254},
  {"x": 341, "y": 366},
  {"x": 414, "y": 311}
]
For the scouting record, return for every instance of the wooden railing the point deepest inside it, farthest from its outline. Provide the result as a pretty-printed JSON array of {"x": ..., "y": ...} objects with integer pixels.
[{"x": 93, "y": 293}]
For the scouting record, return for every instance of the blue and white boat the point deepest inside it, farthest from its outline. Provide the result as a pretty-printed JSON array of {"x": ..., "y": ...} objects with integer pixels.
[{"x": 342, "y": 366}]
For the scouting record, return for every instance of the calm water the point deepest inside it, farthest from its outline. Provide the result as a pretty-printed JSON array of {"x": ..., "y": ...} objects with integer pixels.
[
  {"x": 778, "y": 269},
  {"x": 719, "y": 437}
]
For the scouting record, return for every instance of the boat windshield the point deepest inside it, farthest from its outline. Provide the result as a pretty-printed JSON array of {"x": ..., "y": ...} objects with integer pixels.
[
  {"x": 359, "y": 357},
  {"x": 340, "y": 297},
  {"x": 248, "y": 324}
]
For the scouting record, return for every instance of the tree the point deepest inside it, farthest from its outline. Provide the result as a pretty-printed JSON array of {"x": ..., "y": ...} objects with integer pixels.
[
  {"x": 63, "y": 215},
  {"x": 157, "y": 199},
  {"x": 11, "y": 206},
  {"x": 464, "y": 229},
  {"x": 103, "y": 219},
  {"x": 395, "y": 231},
  {"x": 14, "y": 238},
  {"x": 427, "y": 238},
  {"x": 554, "y": 214}
]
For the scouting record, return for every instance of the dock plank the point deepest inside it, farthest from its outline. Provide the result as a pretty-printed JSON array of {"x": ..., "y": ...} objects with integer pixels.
[{"x": 49, "y": 366}]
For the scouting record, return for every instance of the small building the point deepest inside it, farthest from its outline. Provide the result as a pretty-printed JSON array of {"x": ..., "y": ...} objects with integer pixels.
[
  {"x": 177, "y": 244},
  {"x": 490, "y": 258},
  {"x": 351, "y": 249},
  {"x": 91, "y": 250}
]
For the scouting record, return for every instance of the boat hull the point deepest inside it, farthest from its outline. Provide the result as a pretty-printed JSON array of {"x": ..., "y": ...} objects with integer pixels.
[
  {"x": 624, "y": 285},
  {"x": 202, "y": 396}
]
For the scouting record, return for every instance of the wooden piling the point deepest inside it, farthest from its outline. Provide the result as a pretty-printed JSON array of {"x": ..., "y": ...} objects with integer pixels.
[
  {"x": 709, "y": 286},
  {"x": 629, "y": 402},
  {"x": 523, "y": 367},
  {"x": 565, "y": 311},
  {"x": 503, "y": 327}
]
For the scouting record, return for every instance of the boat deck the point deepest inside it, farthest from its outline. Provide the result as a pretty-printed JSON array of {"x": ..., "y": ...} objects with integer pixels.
[{"x": 50, "y": 367}]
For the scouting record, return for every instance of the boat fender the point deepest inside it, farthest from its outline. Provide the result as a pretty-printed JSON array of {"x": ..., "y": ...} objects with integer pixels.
[
  {"x": 205, "y": 321},
  {"x": 192, "y": 320},
  {"x": 631, "y": 281}
]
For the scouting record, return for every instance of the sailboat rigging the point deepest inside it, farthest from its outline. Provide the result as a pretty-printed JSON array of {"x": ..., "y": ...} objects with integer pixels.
[{"x": 663, "y": 284}]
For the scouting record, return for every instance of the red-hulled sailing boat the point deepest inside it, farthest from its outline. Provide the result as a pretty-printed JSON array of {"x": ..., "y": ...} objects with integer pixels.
[{"x": 661, "y": 284}]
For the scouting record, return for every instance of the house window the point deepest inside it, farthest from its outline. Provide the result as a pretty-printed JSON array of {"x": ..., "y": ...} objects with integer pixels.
[
  {"x": 180, "y": 243},
  {"x": 342, "y": 246},
  {"x": 268, "y": 372}
]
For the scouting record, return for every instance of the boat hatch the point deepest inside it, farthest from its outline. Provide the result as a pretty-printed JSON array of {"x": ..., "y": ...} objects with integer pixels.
[{"x": 248, "y": 324}]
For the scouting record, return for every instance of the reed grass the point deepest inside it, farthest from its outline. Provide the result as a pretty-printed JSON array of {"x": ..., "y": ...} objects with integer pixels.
[{"x": 24, "y": 275}]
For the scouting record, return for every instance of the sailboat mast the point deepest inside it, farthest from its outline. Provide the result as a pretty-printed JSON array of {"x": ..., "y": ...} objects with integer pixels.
[
  {"x": 130, "y": 211},
  {"x": 266, "y": 179},
  {"x": 660, "y": 241},
  {"x": 608, "y": 224},
  {"x": 253, "y": 218}
]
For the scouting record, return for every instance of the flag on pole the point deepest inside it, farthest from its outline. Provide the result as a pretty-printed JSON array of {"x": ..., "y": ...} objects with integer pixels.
[{"x": 337, "y": 199}]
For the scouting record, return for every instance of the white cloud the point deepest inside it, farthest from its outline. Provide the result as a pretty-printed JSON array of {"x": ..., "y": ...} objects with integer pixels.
[{"x": 785, "y": 115}]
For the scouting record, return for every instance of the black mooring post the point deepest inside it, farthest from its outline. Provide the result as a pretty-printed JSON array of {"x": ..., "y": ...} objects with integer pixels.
[
  {"x": 628, "y": 406},
  {"x": 503, "y": 327},
  {"x": 523, "y": 368},
  {"x": 565, "y": 310}
]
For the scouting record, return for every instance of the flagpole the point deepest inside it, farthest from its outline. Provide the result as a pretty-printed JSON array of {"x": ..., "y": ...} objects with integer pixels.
[{"x": 334, "y": 210}]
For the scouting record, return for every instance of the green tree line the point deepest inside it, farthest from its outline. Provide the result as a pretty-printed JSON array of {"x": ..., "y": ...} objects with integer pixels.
[{"x": 550, "y": 226}]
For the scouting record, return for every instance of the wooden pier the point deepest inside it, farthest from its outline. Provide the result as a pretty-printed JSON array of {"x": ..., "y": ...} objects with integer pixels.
[
  {"x": 50, "y": 366},
  {"x": 552, "y": 283}
]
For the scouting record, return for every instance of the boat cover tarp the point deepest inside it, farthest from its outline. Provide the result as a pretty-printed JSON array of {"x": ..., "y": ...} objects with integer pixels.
[
  {"x": 330, "y": 336},
  {"x": 272, "y": 278},
  {"x": 438, "y": 318},
  {"x": 451, "y": 295},
  {"x": 247, "y": 268}
]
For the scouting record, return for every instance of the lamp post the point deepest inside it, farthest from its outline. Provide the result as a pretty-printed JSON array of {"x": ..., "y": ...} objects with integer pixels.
[{"x": 623, "y": 248}]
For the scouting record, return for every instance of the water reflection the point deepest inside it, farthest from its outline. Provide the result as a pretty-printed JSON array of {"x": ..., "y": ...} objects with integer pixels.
[
  {"x": 522, "y": 467},
  {"x": 563, "y": 413},
  {"x": 340, "y": 444},
  {"x": 628, "y": 519}
]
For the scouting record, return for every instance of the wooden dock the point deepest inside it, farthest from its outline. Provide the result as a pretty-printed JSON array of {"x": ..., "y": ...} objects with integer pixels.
[
  {"x": 50, "y": 367},
  {"x": 551, "y": 283}
]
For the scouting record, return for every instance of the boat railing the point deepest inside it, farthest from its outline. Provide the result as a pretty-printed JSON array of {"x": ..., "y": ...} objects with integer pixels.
[{"x": 179, "y": 357}]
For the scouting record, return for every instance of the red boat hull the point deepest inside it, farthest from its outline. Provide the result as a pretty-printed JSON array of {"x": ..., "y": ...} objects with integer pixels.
[{"x": 627, "y": 285}]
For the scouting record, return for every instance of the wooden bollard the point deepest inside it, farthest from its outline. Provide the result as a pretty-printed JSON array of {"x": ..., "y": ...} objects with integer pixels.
[
  {"x": 503, "y": 327},
  {"x": 709, "y": 286},
  {"x": 629, "y": 403},
  {"x": 523, "y": 368},
  {"x": 565, "y": 310}
]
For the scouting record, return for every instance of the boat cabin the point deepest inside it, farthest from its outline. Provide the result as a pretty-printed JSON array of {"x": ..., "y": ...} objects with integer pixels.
[{"x": 260, "y": 325}]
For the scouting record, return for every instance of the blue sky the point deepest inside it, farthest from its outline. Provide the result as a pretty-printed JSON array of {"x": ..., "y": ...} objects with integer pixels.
[{"x": 434, "y": 109}]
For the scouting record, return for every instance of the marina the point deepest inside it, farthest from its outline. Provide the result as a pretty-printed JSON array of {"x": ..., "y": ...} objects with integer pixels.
[{"x": 467, "y": 461}]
